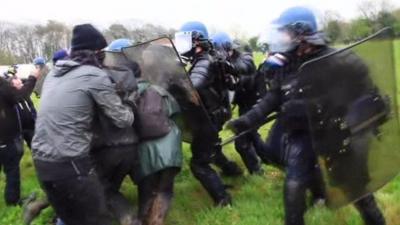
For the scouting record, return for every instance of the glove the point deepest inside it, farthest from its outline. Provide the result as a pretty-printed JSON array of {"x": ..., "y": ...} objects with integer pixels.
[
  {"x": 229, "y": 68},
  {"x": 294, "y": 108},
  {"x": 231, "y": 81},
  {"x": 236, "y": 126}
]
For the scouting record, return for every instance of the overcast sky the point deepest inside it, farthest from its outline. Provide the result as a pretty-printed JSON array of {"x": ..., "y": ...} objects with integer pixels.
[{"x": 251, "y": 16}]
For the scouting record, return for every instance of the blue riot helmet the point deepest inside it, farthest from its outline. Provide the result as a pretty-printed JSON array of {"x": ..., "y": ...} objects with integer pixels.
[
  {"x": 39, "y": 61},
  {"x": 118, "y": 44},
  {"x": 191, "y": 35},
  {"x": 293, "y": 26},
  {"x": 59, "y": 55},
  {"x": 222, "y": 41}
]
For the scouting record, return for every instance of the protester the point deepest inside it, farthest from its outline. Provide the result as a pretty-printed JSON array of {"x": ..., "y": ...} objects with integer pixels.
[{"x": 74, "y": 92}]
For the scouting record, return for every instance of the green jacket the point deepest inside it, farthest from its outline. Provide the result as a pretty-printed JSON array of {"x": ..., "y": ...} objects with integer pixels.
[{"x": 164, "y": 152}]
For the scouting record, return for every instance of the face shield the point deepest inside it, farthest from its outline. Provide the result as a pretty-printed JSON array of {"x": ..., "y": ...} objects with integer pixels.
[
  {"x": 183, "y": 42},
  {"x": 279, "y": 39}
]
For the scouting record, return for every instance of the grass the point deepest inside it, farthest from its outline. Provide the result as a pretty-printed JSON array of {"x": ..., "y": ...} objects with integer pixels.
[{"x": 257, "y": 199}]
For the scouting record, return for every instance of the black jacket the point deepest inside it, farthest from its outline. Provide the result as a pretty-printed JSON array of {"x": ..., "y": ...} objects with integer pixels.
[
  {"x": 243, "y": 63},
  {"x": 10, "y": 113},
  {"x": 251, "y": 87},
  {"x": 324, "y": 88},
  {"x": 26, "y": 107},
  {"x": 207, "y": 80}
]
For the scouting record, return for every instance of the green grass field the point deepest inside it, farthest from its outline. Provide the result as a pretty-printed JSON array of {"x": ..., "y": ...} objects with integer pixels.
[{"x": 257, "y": 199}]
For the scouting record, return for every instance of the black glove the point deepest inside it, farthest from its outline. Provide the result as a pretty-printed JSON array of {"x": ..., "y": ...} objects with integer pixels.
[
  {"x": 294, "y": 108},
  {"x": 230, "y": 68},
  {"x": 236, "y": 126}
]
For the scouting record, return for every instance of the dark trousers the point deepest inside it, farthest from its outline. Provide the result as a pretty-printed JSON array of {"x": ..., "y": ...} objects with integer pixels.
[
  {"x": 248, "y": 145},
  {"x": 271, "y": 151},
  {"x": 28, "y": 136},
  {"x": 155, "y": 195},
  {"x": 78, "y": 200},
  {"x": 10, "y": 157},
  {"x": 302, "y": 174},
  {"x": 203, "y": 155},
  {"x": 113, "y": 164}
]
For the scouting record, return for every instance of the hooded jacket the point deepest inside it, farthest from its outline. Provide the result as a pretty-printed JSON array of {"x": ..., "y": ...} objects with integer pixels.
[
  {"x": 164, "y": 152},
  {"x": 73, "y": 94},
  {"x": 10, "y": 101}
]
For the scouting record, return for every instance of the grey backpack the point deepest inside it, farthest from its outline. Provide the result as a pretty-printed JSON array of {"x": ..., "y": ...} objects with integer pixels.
[{"x": 152, "y": 119}]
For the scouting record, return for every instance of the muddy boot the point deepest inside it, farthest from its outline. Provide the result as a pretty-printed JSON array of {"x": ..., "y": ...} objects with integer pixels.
[
  {"x": 32, "y": 210},
  {"x": 159, "y": 209},
  {"x": 129, "y": 220}
]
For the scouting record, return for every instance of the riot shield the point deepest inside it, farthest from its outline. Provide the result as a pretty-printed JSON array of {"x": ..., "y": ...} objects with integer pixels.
[
  {"x": 353, "y": 116},
  {"x": 161, "y": 65}
]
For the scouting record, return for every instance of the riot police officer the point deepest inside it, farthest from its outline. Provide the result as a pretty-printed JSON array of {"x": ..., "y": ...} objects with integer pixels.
[
  {"x": 192, "y": 42},
  {"x": 296, "y": 35},
  {"x": 248, "y": 91}
]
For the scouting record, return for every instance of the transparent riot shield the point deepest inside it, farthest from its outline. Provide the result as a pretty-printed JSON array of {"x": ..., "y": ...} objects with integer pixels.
[
  {"x": 353, "y": 116},
  {"x": 161, "y": 65}
]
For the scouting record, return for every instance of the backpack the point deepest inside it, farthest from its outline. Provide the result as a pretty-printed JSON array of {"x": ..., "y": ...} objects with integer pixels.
[{"x": 152, "y": 119}]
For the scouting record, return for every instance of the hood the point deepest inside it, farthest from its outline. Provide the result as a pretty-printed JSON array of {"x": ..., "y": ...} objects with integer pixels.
[{"x": 64, "y": 66}]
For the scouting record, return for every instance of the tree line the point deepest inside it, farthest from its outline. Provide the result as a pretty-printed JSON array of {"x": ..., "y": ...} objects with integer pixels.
[
  {"x": 20, "y": 43},
  {"x": 373, "y": 15}
]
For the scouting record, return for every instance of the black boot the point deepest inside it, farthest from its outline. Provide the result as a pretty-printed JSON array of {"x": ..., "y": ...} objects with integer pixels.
[
  {"x": 224, "y": 201},
  {"x": 211, "y": 182},
  {"x": 248, "y": 154},
  {"x": 295, "y": 202},
  {"x": 229, "y": 168},
  {"x": 370, "y": 211},
  {"x": 317, "y": 188}
]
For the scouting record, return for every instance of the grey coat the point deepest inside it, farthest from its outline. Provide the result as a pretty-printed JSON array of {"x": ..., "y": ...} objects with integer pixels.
[{"x": 72, "y": 95}]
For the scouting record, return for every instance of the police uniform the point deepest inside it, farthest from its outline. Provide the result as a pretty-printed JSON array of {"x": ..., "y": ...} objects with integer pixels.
[{"x": 294, "y": 149}]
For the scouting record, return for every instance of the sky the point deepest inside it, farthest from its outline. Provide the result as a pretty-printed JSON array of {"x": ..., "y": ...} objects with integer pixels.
[{"x": 249, "y": 16}]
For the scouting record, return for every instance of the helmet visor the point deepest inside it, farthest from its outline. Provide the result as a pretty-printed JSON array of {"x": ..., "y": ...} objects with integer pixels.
[
  {"x": 279, "y": 39},
  {"x": 183, "y": 42}
]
